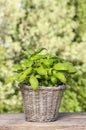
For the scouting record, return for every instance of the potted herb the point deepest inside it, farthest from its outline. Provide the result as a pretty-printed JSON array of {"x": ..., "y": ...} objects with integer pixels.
[{"x": 42, "y": 78}]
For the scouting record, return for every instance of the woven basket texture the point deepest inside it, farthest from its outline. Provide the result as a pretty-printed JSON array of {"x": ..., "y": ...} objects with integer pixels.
[{"x": 41, "y": 105}]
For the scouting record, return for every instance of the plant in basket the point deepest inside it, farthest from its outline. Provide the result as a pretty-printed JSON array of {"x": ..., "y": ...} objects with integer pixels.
[{"x": 42, "y": 78}]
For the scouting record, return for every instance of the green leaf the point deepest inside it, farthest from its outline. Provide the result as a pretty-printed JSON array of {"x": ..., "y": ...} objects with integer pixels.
[
  {"x": 27, "y": 71},
  {"x": 38, "y": 76},
  {"x": 60, "y": 66},
  {"x": 70, "y": 67},
  {"x": 46, "y": 83},
  {"x": 11, "y": 79},
  {"x": 17, "y": 67},
  {"x": 27, "y": 63},
  {"x": 72, "y": 70},
  {"x": 37, "y": 57},
  {"x": 61, "y": 77},
  {"x": 47, "y": 62},
  {"x": 50, "y": 71},
  {"x": 34, "y": 83},
  {"x": 23, "y": 75},
  {"x": 40, "y": 50},
  {"x": 67, "y": 64},
  {"x": 41, "y": 71},
  {"x": 53, "y": 79}
]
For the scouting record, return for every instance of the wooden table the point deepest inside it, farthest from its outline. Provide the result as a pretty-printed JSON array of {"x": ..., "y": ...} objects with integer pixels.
[{"x": 66, "y": 121}]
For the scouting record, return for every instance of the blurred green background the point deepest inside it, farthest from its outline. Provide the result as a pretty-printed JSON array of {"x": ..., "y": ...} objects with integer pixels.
[{"x": 58, "y": 25}]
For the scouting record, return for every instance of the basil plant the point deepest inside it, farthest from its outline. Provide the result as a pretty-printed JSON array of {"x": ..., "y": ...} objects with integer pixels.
[{"x": 42, "y": 69}]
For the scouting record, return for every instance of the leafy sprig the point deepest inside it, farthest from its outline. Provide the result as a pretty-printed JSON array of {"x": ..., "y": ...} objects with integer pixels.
[{"x": 39, "y": 69}]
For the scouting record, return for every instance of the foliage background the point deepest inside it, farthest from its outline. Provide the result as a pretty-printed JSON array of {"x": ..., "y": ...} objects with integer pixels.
[{"x": 58, "y": 25}]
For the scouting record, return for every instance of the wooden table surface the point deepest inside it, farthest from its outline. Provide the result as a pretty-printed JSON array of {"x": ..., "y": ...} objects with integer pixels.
[{"x": 66, "y": 121}]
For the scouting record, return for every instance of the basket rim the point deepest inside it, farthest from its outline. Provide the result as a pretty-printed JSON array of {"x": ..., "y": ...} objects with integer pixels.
[{"x": 59, "y": 87}]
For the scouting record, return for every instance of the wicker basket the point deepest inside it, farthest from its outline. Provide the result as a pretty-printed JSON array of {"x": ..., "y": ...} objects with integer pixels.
[{"x": 42, "y": 105}]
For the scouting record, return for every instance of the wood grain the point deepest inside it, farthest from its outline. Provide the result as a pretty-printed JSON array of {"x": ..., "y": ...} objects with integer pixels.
[{"x": 66, "y": 121}]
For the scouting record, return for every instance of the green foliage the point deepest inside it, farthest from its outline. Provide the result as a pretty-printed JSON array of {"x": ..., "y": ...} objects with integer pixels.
[
  {"x": 40, "y": 67},
  {"x": 70, "y": 102},
  {"x": 56, "y": 25},
  {"x": 81, "y": 19},
  {"x": 61, "y": 77},
  {"x": 34, "y": 82}
]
